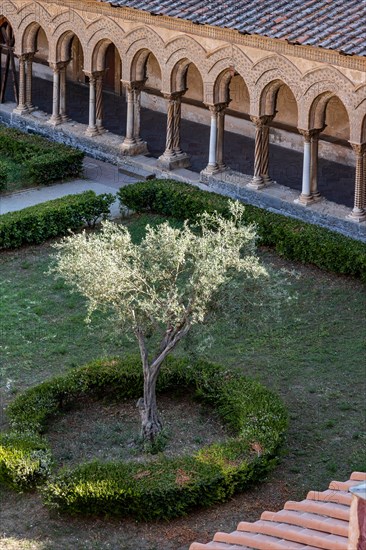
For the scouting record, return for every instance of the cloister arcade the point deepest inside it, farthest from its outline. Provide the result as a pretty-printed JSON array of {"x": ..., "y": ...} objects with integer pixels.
[{"x": 263, "y": 91}]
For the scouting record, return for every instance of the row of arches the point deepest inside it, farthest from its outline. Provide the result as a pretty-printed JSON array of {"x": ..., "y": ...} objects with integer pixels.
[{"x": 271, "y": 91}]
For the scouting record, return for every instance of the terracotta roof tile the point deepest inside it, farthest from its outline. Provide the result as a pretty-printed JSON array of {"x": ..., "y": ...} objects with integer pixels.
[
  {"x": 320, "y": 522},
  {"x": 334, "y": 24}
]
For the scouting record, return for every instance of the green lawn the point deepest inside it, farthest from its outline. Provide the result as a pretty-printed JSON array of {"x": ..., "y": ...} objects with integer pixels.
[
  {"x": 314, "y": 357},
  {"x": 16, "y": 180}
]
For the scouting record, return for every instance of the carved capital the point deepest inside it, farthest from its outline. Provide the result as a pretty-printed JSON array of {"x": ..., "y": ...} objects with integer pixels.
[
  {"x": 217, "y": 108},
  {"x": 134, "y": 85},
  {"x": 59, "y": 66},
  {"x": 261, "y": 121},
  {"x": 310, "y": 134},
  {"x": 358, "y": 148}
]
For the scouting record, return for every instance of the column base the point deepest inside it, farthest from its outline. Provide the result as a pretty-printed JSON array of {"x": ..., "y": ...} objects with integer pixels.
[
  {"x": 132, "y": 149},
  {"x": 305, "y": 200},
  {"x": 65, "y": 118},
  {"x": 257, "y": 183},
  {"x": 317, "y": 197},
  {"x": 101, "y": 129},
  {"x": 54, "y": 121},
  {"x": 357, "y": 215},
  {"x": 207, "y": 172},
  {"x": 91, "y": 132},
  {"x": 174, "y": 162},
  {"x": 31, "y": 108},
  {"x": 21, "y": 110}
]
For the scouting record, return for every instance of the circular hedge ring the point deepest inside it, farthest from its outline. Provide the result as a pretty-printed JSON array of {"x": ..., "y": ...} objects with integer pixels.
[{"x": 165, "y": 488}]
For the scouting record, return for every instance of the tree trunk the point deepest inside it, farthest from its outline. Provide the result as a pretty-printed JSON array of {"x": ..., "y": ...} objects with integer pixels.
[{"x": 151, "y": 425}]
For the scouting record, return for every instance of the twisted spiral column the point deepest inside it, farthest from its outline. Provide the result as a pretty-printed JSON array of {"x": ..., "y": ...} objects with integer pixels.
[
  {"x": 177, "y": 114},
  {"x": 28, "y": 86},
  {"x": 257, "y": 181},
  {"x": 99, "y": 102},
  {"x": 220, "y": 136}
]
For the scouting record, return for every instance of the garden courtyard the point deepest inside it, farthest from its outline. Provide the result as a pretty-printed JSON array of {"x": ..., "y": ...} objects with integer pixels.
[{"x": 311, "y": 356}]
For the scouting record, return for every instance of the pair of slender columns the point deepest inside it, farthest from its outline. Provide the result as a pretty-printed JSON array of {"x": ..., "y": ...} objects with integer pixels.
[
  {"x": 25, "y": 84},
  {"x": 133, "y": 144},
  {"x": 261, "y": 151},
  {"x": 216, "y": 148},
  {"x": 95, "y": 126},
  {"x": 359, "y": 209},
  {"x": 309, "y": 188},
  {"x": 59, "y": 93},
  {"x": 173, "y": 156}
]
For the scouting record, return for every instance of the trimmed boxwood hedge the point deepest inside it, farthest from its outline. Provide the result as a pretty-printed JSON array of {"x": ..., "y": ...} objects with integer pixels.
[
  {"x": 41, "y": 160},
  {"x": 293, "y": 239},
  {"x": 256, "y": 418},
  {"x": 36, "y": 224}
]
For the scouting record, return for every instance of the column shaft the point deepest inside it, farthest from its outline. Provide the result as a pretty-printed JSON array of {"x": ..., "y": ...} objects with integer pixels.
[
  {"x": 29, "y": 77},
  {"x": 63, "y": 114},
  {"x": 314, "y": 165},
  {"x": 133, "y": 144},
  {"x": 358, "y": 212},
  {"x": 21, "y": 107},
  {"x": 265, "y": 152},
  {"x": 130, "y": 139},
  {"x": 55, "y": 117},
  {"x": 257, "y": 181},
  {"x": 177, "y": 114},
  {"x": 99, "y": 103},
  {"x": 92, "y": 128},
  {"x": 137, "y": 114},
  {"x": 212, "y": 160},
  {"x": 220, "y": 138}
]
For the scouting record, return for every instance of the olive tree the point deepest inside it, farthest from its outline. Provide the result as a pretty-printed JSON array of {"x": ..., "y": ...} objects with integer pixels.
[{"x": 163, "y": 285}]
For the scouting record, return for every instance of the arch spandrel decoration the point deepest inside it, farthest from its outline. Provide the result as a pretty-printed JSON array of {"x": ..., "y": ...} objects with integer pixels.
[
  {"x": 100, "y": 36},
  {"x": 64, "y": 31},
  {"x": 319, "y": 83},
  {"x": 178, "y": 53},
  {"x": 268, "y": 75},
  {"x": 29, "y": 36},
  {"x": 223, "y": 64},
  {"x": 358, "y": 123},
  {"x": 135, "y": 42}
]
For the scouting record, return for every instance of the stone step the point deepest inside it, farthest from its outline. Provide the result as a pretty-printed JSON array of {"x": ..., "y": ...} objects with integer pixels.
[
  {"x": 332, "y": 526},
  {"x": 259, "y": 541},
  {"x": 329, "y": 509},
  {"x": 134, "y": 170},
  {"x": 295, "y": 534}
]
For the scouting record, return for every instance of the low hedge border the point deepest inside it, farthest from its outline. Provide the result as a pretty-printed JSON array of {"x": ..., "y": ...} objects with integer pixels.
[
  {"x": 42, "y": 161},
  {"x": 291, "y": 238},
  {"x": 36, "y": 224},
  {"x": 163, "y": 488}
]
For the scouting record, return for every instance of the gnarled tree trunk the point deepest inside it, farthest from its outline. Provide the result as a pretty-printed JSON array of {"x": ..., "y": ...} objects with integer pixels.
[{"x": 151, "y": 424}]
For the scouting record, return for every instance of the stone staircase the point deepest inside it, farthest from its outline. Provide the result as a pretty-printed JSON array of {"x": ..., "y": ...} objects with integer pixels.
[{"x": 319, "y": 522}]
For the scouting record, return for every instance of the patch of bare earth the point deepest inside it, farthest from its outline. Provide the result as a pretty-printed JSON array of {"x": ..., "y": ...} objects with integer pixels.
[{"x": 94, "y": 429}]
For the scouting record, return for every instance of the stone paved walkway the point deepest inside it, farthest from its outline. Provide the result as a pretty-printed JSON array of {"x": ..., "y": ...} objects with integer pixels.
[{"x": 99, "y": 176}]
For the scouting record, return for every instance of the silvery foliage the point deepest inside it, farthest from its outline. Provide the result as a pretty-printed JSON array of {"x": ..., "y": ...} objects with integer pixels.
[{"x": 169, "y": 279}]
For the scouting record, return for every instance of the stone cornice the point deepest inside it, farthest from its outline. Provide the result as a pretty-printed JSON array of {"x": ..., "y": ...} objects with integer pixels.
[{"x": 254, "y": 41}]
